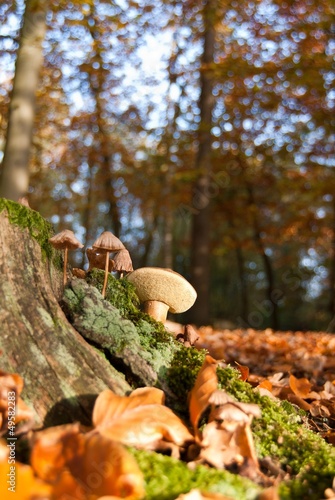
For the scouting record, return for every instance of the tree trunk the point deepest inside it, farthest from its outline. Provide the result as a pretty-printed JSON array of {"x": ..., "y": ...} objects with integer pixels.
[
  {"x": 200, "y": 237},
  {"x": 14, "y": 181},
  {"x": 271, "y": 312}
]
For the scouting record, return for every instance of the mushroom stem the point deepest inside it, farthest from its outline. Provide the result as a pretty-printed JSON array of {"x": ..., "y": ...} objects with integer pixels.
[
  {"x": 65, "y": 266},
  {"x": 156, "y": 309},
  {"x": 103, "y": 293}
]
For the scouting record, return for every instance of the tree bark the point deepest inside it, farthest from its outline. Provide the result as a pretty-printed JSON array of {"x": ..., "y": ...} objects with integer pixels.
[
  {"x": 200, "y": 237},
  {"x": 14, "y": 180},
  {"x": 272, "y": 311}
]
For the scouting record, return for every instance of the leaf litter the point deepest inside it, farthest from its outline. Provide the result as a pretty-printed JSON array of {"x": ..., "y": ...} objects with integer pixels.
[{"x": 94, "y": 463}]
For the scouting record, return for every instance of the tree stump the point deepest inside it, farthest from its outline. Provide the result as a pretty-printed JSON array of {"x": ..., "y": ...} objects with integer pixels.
[{"x": 62, "y": 373}]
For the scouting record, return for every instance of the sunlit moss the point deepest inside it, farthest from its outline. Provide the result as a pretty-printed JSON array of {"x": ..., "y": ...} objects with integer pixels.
[
  {"x": 166, "y": 478},
  {"x": 281, "y": 434},
  {"x": 39, "y": 229}
]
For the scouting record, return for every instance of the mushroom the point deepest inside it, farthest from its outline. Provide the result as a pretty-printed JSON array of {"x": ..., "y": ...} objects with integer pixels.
[
  {"x": 65, "y": 240},
  {"x": 98, "y": 260},
  {"x": 107, "y": 243},
  {"x": 122, "y": 262},
  {"x": 162, "y": 290}
]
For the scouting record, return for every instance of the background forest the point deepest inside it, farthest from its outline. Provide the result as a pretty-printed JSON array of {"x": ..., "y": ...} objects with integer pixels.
[{"x": 199, "y": 132}]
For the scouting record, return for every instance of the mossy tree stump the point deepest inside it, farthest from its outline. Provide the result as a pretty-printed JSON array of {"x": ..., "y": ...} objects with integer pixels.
[{"x": 61, "y": 371}]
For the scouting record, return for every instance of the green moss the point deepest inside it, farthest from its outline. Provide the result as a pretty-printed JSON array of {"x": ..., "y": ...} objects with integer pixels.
[
  {"x": 159, "y": 345},
  {"x": 281, "y": 434},
  {"x": 184, "y": 370},
  {"x": 120, "y": 292},
  {"x": 39, "y": 228},
  {"x": 166, "y": 478}
]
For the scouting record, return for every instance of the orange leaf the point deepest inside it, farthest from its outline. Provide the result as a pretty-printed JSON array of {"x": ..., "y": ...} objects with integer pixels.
[
  {"x": 132, "y": 421},
  {"x": 265, "y": 384},
  {"x": 85, "y": 466},
  {"x": 48, "y": 457},
  {"x": 107, "y": 468},
  {"x": 244, "y": 371},
  {"x": 109, "y": 406},
  {"x": 144, "y": 426},
  {"x": 11, "y": 385},
  {"x": 205, "y": 384},
  {"x": 300, "y": 386}
]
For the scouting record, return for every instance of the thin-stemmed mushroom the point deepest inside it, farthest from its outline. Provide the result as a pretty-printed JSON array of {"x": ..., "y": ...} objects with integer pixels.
[
  {"x": 107, "y": 243},
  {"x": 98, "y": 260},
  {"x": 122, "y": 262},
  {"x": 161, "y": 290},
  {"x": 65, "y": 240}
]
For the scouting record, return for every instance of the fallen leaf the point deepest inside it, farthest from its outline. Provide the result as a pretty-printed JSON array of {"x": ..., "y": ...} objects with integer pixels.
[
  {"x": 301, "y": 387},
  {"x": 244, "y": 371},
  {"x": 109, "y": 406},
  {"x": 265, "y": 384},
  {"x": 85, "y": 466},
  {"x": 13, "y": 410},
  {"x": 135, "y": 421},
  {"x": 206, "y": 383},
  {"x": 51, "y": 448},
  {"x": 105, "y": 467}
]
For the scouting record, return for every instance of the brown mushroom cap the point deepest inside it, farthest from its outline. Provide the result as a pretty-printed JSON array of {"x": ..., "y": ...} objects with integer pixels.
[
  {"x": 122, "y": 261},
  {"x": 65, "y": 239},
  {"x": 163, "y": 285},
  {"x": 108, "y": 243}
]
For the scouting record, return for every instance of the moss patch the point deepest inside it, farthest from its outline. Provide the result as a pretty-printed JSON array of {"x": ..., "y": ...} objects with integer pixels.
[
  {"x": 159, "y": 346},
  {"x": 39, "y": 229},
  {"x": 166, "y": 478}
]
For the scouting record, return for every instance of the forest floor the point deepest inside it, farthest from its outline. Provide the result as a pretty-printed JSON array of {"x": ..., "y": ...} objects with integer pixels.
[{"x": 294, "y": 366}]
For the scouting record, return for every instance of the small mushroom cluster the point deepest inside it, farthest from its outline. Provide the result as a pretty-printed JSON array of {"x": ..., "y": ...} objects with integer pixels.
[
  {"x": 101, "y": 249},
  {"x": 160, "y": 290},
  {"x": 98, "y": 255}
]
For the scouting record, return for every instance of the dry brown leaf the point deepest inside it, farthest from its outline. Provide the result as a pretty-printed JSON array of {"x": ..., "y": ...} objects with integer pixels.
[
  {"x": 269, "y": 494},
  {"x": 300, "y": 386},
  {"x": 145, "y": 426},
  {"x": 109, "y": 406},
  {"x": 205, "y": 384},
  {"x": 11, "y": 385},
  {"x": 107, "y": 468},
  {"x": 85, "y": 466},
  {"x": 51, "y": 449},
  {"x": 244, "y": 371},
  {"x": 139, "y": 420},
  {"x": 227, "y": 443},
  {"x": 148, "y": 395},
  {"x": 294, "y": 399},
  {"x": 318, "y": 409},
  {"x": 265, "y": 384}
]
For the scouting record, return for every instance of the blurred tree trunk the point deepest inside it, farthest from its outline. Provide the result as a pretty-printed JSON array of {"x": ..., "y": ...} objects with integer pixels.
[
  {"x": 243, "y": 283},
  {"x": 331, "y": 303},
  {"x": 272, "y": 312},
  {"x": 200, "y": 236},
  {"x": 14, "y": 180}
]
